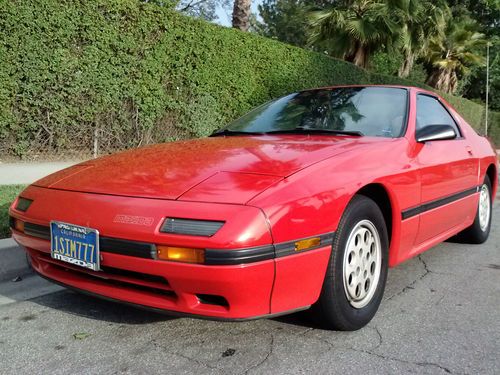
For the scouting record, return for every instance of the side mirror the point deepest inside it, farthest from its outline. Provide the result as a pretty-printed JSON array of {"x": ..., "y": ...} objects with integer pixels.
[{"x": 435, "y": 133}]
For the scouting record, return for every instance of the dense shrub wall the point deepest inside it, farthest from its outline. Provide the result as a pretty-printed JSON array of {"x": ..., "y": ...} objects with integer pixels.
[
  {"x": 102, "y": 75},
  {"x": 494, "y": 128}
]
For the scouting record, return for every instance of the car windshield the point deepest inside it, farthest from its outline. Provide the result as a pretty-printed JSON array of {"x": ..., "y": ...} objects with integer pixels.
[{"x": 370, "y": 111}]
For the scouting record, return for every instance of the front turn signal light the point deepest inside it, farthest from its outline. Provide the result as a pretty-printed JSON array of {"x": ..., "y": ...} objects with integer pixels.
[
  {"x": 19, "y": 225},
  {"x": 181, "y": 254}
]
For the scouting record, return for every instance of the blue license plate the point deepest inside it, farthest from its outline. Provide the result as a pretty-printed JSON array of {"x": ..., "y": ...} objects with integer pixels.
[{"x": 74, "y": 244}]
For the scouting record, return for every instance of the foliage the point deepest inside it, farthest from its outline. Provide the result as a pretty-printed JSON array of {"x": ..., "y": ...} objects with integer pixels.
[
  {"x": 487, "y": 15},
  {"x": 390, "y": 63},
  {"x": 284, "y": 20},
  {"x": 386, "y": 63},
  {"x": 7, "y": 195},
  {"x": 287, "y": 20},
  {"x": 135, "y": 73},
  {"x": 204, "y": 9},
  {"x": 414, "y": 23},
  {"x": 494, "y": 128},
  {"x": 354, "y": 30},
  {"x": 420, "y": 21},
  {"x": 452, "y": 54},
  {"x": 474, "y": 86},
  {"x": 485, "y": 12}
]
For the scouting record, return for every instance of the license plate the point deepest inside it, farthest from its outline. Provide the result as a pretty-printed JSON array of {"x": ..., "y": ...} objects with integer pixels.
[{"x": 74, "y": 244}]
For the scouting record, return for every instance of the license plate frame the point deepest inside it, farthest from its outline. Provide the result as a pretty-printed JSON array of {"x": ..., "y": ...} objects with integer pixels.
[{"x": 75, "y": 245}]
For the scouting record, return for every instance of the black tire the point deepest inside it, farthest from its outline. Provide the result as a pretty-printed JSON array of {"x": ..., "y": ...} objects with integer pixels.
[
  {"x": 333, "y": 310},
  {"x": 474, "y": 234}
]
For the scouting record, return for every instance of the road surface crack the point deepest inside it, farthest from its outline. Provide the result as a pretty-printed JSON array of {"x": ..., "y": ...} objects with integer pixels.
[
  {"x": 414, "y": 282},
  {"x": 380, "y": 340},
  {"x": 194, "y": 360},
  {"x": 307, "y": 330},
  {"x": 416, "y": 363},
  {"x": 201, "y": 363},
  {"x": 266, "y": 357}
]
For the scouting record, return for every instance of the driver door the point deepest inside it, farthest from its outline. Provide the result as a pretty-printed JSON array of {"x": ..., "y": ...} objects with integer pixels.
[{"x": 448, "y": 173}]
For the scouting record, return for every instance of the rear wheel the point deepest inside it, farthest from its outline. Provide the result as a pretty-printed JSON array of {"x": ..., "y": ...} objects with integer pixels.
[
  {"x": 356, "y": 275},
  {"x": 479, "y": 231}
]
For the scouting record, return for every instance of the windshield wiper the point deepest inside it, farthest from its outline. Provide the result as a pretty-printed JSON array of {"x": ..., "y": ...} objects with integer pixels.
[
  {"x": 299, "y": 130},
  {"x": 233, "y": 132},
  {"x": 316, "y": 131}
]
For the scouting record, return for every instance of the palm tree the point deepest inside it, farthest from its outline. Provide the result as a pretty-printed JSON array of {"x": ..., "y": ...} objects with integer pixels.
[
  {"x": 420, "y": 21},
  {"x": 451, "y": 55},
  {"x": 353, "y": 30},
  {"x": 241, "y": 14}
]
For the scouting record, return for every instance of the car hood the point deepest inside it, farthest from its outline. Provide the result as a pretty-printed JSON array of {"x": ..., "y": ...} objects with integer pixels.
[{"x": 218, "y": 169}]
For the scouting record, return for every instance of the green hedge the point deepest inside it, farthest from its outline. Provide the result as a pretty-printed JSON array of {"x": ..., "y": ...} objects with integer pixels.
[
  {"x": 7, "y": 195},
  {"x": 494, "y": 128},
  {"x": 131, "y": 73}
]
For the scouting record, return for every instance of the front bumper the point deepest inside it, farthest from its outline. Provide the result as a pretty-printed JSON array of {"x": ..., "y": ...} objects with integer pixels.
[
  {"x": 246, "y": 277},
  {"x": 230, "y": 292},
  {"x": 175, "y": 313}
]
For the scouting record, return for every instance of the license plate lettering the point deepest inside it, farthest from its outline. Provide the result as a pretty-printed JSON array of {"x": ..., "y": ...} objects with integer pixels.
[
  {"x": 74, "y": 244},
  {"x": 74, "y": 261}
]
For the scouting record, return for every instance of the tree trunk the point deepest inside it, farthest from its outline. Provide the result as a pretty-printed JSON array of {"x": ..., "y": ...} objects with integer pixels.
[
  {"x": 435, "y": 78},
  {"x": 407, "y": 65},
  {"x": 453, "y": 82},
  {"x": 241, "y": 14},
  {"x": 360, "y": 57},
  {"x": 445, "y": 80}
]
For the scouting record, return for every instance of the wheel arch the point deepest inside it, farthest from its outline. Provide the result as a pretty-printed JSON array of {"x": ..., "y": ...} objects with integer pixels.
[
  {"x": 491, "y": 172},
  {"x": 379, "y": 194}
]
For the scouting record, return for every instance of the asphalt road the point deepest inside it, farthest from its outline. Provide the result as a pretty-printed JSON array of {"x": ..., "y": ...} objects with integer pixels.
[{"x": 440, "y": 314}]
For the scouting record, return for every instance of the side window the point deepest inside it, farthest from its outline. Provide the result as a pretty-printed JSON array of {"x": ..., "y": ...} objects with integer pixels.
[{"x": 431, "y": 112}]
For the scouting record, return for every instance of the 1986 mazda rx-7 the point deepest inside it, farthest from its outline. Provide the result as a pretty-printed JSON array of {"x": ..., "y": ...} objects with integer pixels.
[{"x": 303, "y": 202}]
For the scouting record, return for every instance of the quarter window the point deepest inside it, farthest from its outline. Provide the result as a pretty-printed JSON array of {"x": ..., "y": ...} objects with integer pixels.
[{"x": 431, "y": 112}]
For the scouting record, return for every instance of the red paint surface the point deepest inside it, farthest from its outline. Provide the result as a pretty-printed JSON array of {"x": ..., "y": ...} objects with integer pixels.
[{"x": 268, "y": 189}]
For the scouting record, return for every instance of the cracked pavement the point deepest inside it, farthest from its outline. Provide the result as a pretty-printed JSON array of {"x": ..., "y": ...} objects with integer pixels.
[{"x": 440, "y": 315}]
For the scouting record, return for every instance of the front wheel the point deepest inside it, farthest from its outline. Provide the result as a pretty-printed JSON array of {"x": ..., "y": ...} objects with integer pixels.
[{"x": 355, "y": 279}]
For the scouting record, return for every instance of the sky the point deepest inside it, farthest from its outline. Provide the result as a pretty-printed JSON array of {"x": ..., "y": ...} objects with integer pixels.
[{"x": 225, "y": 15}]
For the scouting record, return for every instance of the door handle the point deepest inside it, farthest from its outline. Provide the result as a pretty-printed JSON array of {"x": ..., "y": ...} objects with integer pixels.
[{"x": 469, "y": 150}]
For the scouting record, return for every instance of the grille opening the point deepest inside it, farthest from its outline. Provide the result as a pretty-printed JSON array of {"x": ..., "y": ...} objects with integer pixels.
[
  {"x": 211, "y": 299},
  {"x": 109, "y": 272},
  {"x": 142, "y": 288},
  {"x": 119, "y": 283},
  {"x": 134, "y": 275}
]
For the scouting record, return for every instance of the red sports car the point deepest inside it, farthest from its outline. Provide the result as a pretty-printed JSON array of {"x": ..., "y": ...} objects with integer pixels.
[{"x": 303, "y": 202}]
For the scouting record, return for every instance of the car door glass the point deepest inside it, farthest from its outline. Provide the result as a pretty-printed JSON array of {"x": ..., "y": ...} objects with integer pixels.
[{"x": 431, "y": 112}]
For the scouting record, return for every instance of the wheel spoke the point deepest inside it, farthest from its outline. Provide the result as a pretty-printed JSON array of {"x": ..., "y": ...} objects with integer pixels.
[
  {"x": 484, "y": 207},
  {"x": 362, "y": 263}
]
